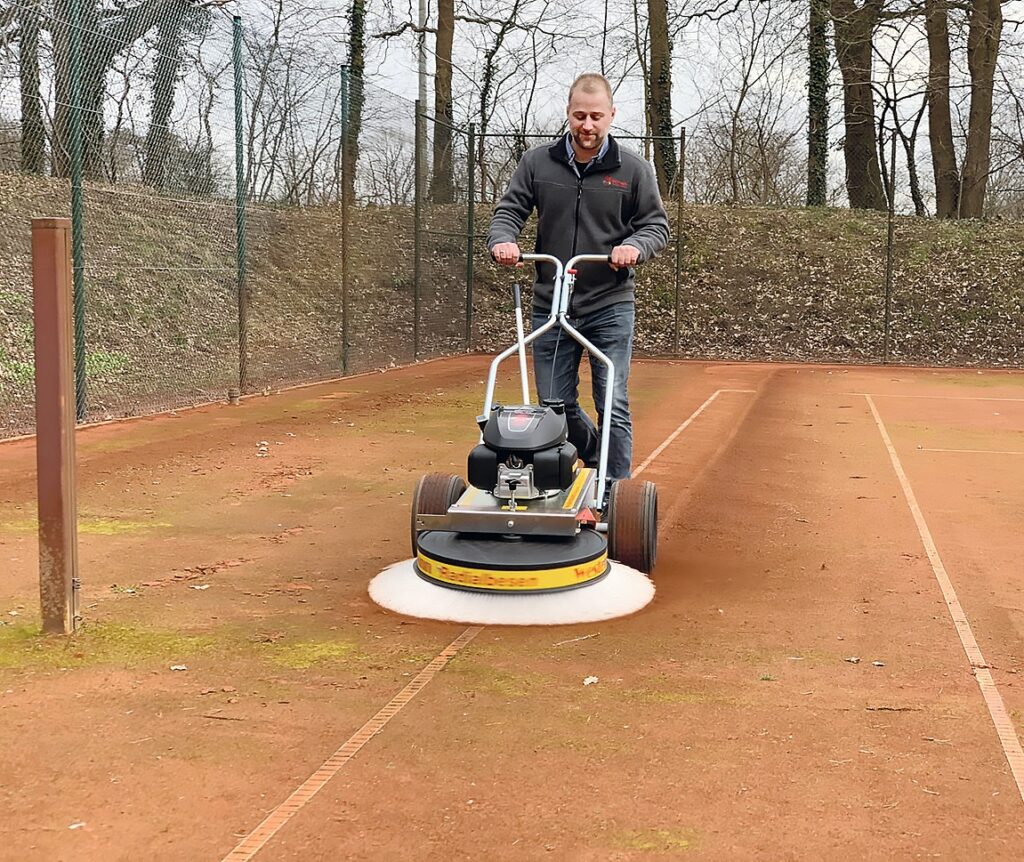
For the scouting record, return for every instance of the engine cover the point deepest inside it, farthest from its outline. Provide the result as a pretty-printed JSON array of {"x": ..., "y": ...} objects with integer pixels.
[{"x": 527, "y": 428}]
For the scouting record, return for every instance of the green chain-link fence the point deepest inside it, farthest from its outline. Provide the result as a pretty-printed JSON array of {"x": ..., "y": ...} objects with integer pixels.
[
  {"x": 124, "y": 121},
  {"x": 250, "y": 214}
]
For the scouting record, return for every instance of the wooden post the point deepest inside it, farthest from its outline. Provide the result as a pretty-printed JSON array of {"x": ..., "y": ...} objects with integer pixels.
[{"x": 55, "y": 423}]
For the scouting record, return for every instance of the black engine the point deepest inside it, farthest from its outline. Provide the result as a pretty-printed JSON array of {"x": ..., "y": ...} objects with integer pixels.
[{"x": 525, "y": 451}]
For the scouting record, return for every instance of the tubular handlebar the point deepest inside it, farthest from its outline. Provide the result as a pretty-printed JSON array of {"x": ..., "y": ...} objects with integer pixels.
[
  {"x": 544, "y": 258},
  {"x": 585, "y": 258}
]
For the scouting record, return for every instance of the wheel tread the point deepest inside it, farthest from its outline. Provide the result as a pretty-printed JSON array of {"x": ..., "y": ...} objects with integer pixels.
[
  {"x": 633, "y": 524},
  {"x": 434, "y": 494}
]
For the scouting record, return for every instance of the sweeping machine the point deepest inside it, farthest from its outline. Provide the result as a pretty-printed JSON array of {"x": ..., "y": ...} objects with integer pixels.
[{"x": 533, "y": 517}]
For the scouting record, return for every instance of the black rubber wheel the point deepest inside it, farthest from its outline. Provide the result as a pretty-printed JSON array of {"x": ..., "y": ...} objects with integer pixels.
[
  {"x": 434, "y": 493},
  {"x": 633, "y": 524}
]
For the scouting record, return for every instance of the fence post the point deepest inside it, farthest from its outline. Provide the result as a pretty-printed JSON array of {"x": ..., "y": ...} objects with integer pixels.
[
  {"x": 470, "y": 232},
  {"x": 77, "y": 208},
  {"x": 240, "y": 226},
  {"x": 56, "y": 403},
  {"x": 417, "y": 226},
  {"x": 680, "y": 178},
  {"x": 345, "y": 203},
  {"x": 888, "y": 252}
]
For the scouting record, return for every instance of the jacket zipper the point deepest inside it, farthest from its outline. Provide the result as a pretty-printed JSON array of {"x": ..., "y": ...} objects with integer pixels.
[{"x": 575, "y": 230}]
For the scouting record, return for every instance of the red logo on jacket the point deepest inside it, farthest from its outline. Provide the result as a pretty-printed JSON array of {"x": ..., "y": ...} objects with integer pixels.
[{"x": 619, "y": 184}]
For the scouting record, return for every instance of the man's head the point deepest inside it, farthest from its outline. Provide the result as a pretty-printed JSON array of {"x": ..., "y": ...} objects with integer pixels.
[{"x": 590, "y": 113}]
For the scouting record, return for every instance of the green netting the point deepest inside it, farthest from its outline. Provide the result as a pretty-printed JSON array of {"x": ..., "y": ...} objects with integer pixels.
[{"x": 322, "y": 255}]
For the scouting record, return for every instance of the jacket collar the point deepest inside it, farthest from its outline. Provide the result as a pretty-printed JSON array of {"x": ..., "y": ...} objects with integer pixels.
[{"x": 607, "y": 160}]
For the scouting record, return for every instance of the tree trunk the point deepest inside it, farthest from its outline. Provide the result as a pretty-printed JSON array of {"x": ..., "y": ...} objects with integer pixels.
[
  {"x": 817, "y": 104},
  {"x": 909, "y": 146},
  {"x": 357, "y": 97},
  {"x": 166, "y": 69},
  {"x": 60, "y": 145},
  {"x": 854, "y": 28},
  {"x": 94, "y": 90},
  {"x": 441, "y": 183},
  {"x": 660, "y": 107},
  {"x": 984, "y": 32},
  {"x": 33, "y": 132},
  {"x": 101, "y": 42},
  {"x": 90, "y": 99},
  {"x": 940, "y": 126},
  {"x": 641, "y": 55}
]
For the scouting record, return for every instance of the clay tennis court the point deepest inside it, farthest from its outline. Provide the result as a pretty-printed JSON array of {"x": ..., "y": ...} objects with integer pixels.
[{"x": 831, "y": 667}]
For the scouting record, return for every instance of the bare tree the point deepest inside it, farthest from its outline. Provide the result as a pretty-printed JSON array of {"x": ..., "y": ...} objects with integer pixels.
[
  {"x": 744, "y": 147},
  {"x": 490, "y": 72},
  {"x": 105, "y": 32},
  {"x": 293, "y": 101},
  {"x": 902, "y": 95},
  {"x": 389, "y": 177}
]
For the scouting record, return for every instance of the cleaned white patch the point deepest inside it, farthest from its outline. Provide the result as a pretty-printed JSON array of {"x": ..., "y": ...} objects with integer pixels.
[{"x": 621, "y": 592}]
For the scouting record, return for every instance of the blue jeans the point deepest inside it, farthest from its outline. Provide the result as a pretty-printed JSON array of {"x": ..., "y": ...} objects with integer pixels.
[{"x": 556, "y": 364}]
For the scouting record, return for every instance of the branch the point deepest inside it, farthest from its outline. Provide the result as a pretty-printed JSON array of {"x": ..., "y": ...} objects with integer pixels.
[
  {"x": 407, "y": 25},
  {"x": 514, "y": 25}
]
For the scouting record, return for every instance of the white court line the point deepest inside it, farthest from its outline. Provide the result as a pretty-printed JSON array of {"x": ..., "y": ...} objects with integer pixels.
[
  {"x": 996, "y": 708},
  {"x": 934, "y": 397},
  {"x": 972, "y": 451},
  {"x": 256, "y": 840},
  {"x": 686, "y": 424},
  {"x": 272, "y": 823}
]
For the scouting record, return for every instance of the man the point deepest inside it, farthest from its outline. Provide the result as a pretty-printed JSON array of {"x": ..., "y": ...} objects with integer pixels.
[{"x": 591, "y": 197}]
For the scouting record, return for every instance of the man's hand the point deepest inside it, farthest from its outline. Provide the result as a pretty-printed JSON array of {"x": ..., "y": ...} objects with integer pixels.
[
  {"x": 623, "y": 255},
  {"x": 507, "y": 254}
]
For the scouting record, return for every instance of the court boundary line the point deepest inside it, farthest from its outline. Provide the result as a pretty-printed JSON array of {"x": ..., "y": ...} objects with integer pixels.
[
  {"x": 972, "y": 451},
  {"x": 686, "y": 423},
  {"x": 279, "y": 816},
  {"x": 979, "y": 667},
  {"x": 935, "y": 397}
]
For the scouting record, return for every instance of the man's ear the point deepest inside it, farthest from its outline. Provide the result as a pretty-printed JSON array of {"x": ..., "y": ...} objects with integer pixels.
[{"x": 613, "y": 112}]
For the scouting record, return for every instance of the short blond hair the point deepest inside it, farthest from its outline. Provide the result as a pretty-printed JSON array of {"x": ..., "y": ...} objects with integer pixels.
[{"x": 592, "y": 82}]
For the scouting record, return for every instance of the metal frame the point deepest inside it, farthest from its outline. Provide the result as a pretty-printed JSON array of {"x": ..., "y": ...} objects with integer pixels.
[
  {"x": 478, "y": 511},
  {"x": 565, "y": 278}
]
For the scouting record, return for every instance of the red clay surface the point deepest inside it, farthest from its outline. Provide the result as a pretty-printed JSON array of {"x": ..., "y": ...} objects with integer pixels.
[{"x": 727, "y": 722}]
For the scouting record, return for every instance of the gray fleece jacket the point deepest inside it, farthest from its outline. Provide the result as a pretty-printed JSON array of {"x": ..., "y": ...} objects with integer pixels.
[{"x": 615, "y": 202}]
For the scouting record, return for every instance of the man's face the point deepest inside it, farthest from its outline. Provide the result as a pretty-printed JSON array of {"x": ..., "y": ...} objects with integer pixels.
[{"x": 590, "y": 118}]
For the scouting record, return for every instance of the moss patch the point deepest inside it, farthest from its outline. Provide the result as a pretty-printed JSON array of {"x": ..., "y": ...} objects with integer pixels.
[
  {"x": 656, "y": 840},
  {"x": 300, "y": 655},
  {"x": 477, "y": 677},
  {"x": 657, "y": 695},
  {"x": 90, "y": 526},
  {"x": 977, "y": 380},
  {"x": 24, "y": 646}
]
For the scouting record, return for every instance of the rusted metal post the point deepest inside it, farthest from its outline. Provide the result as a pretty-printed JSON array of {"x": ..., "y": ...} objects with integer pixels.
[
  {"x": 680, "y": 191},
  {"x": 417, "y": 227},
  {"x": 55, "y": 423}
]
